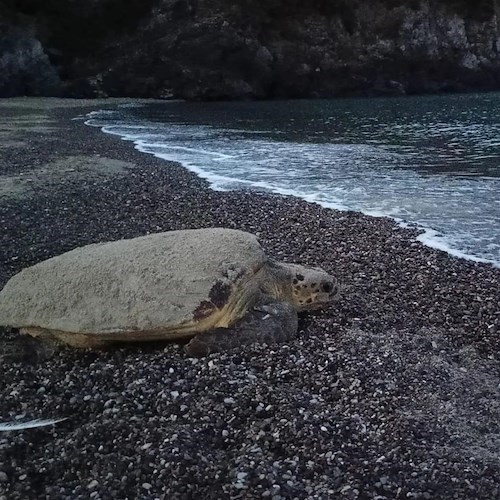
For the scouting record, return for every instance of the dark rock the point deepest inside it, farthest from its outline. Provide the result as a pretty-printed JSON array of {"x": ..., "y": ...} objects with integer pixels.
[
  {"x": 207, "y": 50},
  {"x": 25, "y": 68},
  {"x": 84, "y": 88}
]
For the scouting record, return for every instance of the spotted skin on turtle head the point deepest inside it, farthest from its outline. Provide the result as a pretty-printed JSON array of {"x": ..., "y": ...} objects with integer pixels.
[{"x": 313, "y": 289}]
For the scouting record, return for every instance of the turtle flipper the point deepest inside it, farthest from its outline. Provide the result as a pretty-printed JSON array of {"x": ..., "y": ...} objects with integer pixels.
[
  {"x": 24, "y": 348},
  {"x": 269, "y": 323}
]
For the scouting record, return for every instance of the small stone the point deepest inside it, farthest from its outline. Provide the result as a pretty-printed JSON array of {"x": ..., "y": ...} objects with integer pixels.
[
  {"x": 146, "y": 446},
  {"x": 229, "y": 401},
  {"x": 241, "y": 475},
  {"x": 22, "y": 477},
  {"x": 93, "y": 484},
  {"x": 3, "y": 477},
  {"x": 146, "y": 486}
]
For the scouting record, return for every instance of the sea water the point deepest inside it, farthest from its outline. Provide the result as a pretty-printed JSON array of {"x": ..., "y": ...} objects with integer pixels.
[{"x": 429, "y": 161}]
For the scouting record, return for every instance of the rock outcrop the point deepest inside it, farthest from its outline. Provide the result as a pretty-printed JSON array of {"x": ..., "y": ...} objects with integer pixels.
[
  {"x": 201, "y": 49},
  {"x": 25, "y": 68}
]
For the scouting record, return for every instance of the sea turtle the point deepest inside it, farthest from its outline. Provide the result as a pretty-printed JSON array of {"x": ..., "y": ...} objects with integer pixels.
[{"x": 214, "y": 286}]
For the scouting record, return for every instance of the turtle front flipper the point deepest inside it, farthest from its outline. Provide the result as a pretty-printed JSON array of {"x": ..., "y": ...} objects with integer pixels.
[{"x": 268, "y": 323}]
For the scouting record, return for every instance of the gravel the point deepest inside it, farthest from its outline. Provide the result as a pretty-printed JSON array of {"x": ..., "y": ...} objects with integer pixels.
[{"x": 393, "y": 392}]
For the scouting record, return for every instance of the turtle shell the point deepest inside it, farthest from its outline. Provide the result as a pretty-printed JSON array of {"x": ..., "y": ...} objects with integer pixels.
[{"x": 155, "y": 283}]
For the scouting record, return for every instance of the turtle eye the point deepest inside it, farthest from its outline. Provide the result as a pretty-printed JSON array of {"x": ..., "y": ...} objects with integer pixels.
[{"x": 327, "y": 286}]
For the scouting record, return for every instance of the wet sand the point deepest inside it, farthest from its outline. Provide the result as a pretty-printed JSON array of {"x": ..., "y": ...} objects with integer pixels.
[{"x": 393, "y": 392}]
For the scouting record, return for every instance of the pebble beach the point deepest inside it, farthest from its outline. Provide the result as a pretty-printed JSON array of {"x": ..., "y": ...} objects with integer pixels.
[{"x": 392, "y": 392}]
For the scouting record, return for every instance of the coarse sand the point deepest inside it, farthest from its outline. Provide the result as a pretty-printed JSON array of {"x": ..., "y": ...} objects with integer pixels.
[{"x": 393, "y": 392}]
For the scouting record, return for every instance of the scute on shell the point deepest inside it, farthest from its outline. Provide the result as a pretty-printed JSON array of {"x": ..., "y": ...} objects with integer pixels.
[{"x": 146, "y": 283}]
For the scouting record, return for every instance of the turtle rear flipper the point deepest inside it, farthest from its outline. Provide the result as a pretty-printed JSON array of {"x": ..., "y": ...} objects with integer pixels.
[
  {"x": 269, "y": 323},
  {"x": 25, "y": 349}
]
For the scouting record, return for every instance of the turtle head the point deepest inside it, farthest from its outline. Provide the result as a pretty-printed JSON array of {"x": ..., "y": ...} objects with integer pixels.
[{"x": 308, "y": 288}]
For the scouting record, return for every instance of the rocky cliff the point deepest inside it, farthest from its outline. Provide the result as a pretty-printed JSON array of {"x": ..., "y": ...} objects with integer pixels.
[{"x": 216, "y": 49}]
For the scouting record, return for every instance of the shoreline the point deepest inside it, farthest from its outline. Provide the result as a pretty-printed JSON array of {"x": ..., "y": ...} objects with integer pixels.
[
  {"x": 444, "y": 240},
  {"x": 402, "y": 373}
]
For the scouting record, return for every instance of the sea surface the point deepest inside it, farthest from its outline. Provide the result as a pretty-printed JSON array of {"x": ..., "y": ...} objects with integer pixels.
[{"x": 428, "y": 161}]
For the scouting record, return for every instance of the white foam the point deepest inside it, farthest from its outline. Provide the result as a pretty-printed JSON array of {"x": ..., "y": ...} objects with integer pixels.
[
  {"x": 148, "y": 147},
  {"x": 433, "y": 239}
]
